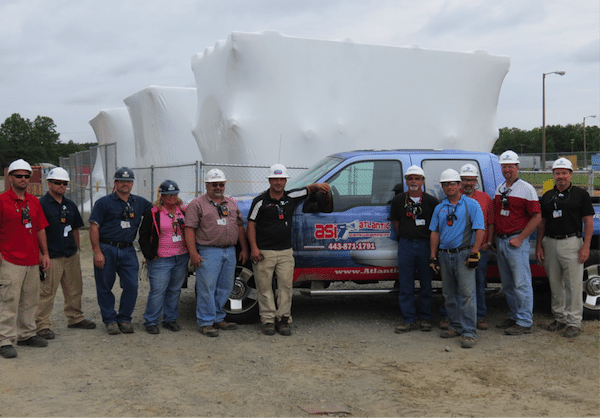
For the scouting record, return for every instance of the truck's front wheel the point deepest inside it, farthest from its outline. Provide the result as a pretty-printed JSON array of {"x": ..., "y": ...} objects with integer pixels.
[{"x": 242, "y": 306}]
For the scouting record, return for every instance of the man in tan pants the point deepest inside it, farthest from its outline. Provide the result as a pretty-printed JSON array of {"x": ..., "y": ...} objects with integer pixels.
[
  {"x": 22, "y": 237},
  {"x": 270, "y": 238},
  {"x": 63, "y": 245}
]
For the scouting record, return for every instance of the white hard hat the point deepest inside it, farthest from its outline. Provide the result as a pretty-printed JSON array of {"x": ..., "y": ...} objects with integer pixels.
[
  {"x": 563, "y": 163},
  {"x": 278, "y": 171},
  {"x": 214, "y": 176},
  {"x": 449, "y": 175},
  {"x": 414, "y": 170},
  {"x": 469, "y": 170},
  {"x": 509, "y": 157},
  {"x": 19, "y": 164},
  {"x": 58, "y": 173}
]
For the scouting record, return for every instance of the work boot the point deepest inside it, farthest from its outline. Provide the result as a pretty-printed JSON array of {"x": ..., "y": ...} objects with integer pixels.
[
  {"x": 34, "y": 341},
  {"x": 112, "y": 328},
  {"x": 8, "y": 351},
  {"x": 444, "y": 323},
  {"x": 46, "y": 334},
  {"x": 268, "y": 328},
  {"x": 507, "y": 323},
  {"x": 406, "y": 327},
  {"x": 282, "y": 327},
  {"x": 556, "y": 326},
  {"x": 517, "y": 330}
]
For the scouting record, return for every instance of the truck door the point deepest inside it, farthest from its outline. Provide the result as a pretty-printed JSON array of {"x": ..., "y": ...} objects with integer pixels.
[{"x": 357, "y": 241}]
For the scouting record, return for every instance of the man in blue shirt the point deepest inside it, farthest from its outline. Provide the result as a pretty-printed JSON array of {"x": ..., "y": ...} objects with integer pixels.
[
  {"x": 114, "y": 224},
  {"x": 63, "y": 245},
  {"x": 457, "y": 230}
]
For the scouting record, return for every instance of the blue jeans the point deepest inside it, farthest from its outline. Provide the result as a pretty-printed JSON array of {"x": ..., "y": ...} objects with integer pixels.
[
  {"x": 458, "y": 287},
  {"x": 166, "y": 276},
  {"x": 122, "y": 261},
  {"x": 515, "y": 275},
  {"x": 214, "y": 283},
  {"x": 480, "y": 275},
  {"x": 413, "y": 254}
]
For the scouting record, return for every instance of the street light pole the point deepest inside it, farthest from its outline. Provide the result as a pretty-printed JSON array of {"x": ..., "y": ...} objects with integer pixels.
[
  {"x": 561, "y": 73},
  {"x": 584, "y": 144}
]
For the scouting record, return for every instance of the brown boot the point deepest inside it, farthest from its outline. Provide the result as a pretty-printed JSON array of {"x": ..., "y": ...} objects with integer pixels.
[{"x": 282, "y": 327}]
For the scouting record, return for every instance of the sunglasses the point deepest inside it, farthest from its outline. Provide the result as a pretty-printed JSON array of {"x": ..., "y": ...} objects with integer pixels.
[
  {"x": 217, "y": 184},
  {"x": 20, "y": 176},
  {"x": 59, "y": 183}
]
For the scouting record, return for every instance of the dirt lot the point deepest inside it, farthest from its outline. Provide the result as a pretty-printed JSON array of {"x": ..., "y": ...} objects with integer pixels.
[{"x": 343, "y": 357}]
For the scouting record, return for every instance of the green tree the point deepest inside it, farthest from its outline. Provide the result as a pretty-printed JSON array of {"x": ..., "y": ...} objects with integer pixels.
[{"x": 36, "y": 142}]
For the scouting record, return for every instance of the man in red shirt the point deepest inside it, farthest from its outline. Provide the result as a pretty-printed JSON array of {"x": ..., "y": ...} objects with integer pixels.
[{"x": 22, "y": 236}]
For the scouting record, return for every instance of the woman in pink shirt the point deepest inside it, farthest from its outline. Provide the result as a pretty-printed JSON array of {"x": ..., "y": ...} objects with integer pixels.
[{"x": 163, "y": 245}]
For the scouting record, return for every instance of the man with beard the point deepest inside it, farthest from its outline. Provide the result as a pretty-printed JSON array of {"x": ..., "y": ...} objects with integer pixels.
[
  {"x": 213, "y": 226},
  {"x": 411, "y": 213},
  {"x": 270, "y": 238},
  {"x": 457, "y": 230}
]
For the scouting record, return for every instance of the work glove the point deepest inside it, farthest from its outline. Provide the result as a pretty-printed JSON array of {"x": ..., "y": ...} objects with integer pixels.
[
  {"x": 434, "y": 263},
  {"x": 472, "y": 261}
]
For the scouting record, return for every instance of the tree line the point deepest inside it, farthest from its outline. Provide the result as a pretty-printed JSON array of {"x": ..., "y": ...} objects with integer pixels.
[
  {"x": 558, "y": 139},
  {"x": 38, "y": 142},
  {"x": 34, "y": 141}
]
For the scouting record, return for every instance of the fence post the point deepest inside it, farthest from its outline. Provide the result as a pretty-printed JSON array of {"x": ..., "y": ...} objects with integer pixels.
[{"x": 152, "y": 183}]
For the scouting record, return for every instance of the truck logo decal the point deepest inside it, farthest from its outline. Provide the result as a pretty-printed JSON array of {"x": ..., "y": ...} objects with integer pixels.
[{"x": 354, "y": 229}]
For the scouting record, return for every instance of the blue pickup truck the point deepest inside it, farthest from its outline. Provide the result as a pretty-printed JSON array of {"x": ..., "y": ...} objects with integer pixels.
[{"x": 355, "y": 240}]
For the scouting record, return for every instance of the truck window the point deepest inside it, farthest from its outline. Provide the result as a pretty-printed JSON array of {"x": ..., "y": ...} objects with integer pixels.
[
  {"x": 433, "y": 169},
  {"x": 366, "y": 183}
]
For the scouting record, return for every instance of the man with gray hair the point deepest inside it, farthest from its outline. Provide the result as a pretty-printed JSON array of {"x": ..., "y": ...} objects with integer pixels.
[
  {"x": 213, "y": 226},
  {"x": 411, "y": 213}
]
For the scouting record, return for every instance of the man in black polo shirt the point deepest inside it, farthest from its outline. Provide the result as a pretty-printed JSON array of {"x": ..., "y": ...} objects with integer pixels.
[
  {"x": 270, "y": 238},
  {"x": 561, "y": 249},
  {"x": 411, "y": 214},
  {"x": 63, "y": 245}
]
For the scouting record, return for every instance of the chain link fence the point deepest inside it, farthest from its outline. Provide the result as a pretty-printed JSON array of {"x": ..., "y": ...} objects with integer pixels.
[{"x": 91, "y": 174}]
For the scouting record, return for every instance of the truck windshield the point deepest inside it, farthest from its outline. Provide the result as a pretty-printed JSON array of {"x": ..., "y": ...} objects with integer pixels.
[{"x": 313, "y": 174}]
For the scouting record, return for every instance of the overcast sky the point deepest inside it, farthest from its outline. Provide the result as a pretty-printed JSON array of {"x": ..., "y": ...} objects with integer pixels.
[{"x": 68, "y": 59}]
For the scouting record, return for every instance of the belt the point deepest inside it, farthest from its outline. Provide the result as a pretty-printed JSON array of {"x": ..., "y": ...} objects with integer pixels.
[
  {"x": 509, "y": 235},
  {"x": 116, "y": 244},
  {"x": 453, "y": 250},
  {"x": 574, "y": 234}
]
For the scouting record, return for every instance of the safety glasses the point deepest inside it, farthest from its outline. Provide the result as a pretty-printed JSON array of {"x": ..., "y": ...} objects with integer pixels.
[
  {"x": 20, "y": 176},
  {"x": 59, "y": 183}
]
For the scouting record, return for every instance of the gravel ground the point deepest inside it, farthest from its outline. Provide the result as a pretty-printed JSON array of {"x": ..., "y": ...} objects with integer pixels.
[{"x": 343, "y": 358}]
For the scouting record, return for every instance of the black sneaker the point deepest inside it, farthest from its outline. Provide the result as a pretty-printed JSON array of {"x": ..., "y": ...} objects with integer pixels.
[
  {"x": 34, "y": 341},
  {"x": 171, "y": 326},
  {"x": 8, "y": 351}
]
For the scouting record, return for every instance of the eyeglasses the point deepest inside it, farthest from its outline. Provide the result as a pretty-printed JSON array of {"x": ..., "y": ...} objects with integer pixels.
[
  {"x": 20, "y": 176},
  {"x": 217, "y": 184},
  {"x": 450, "y": 184},
  {"x": 59, "y": 183}
]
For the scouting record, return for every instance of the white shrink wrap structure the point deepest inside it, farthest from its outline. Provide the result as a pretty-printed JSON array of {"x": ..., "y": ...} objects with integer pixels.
[
  {"x": 111, "y": 126},
  {"x": 162, "y": 119},
  {"x": 265, "y": 98}
]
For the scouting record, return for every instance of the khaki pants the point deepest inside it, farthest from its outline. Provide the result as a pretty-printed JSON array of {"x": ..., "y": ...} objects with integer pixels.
[
  {"x": 565, "y": 275},
  {"x": 282, "y": 263},
  {"x": 19, "y": 296},
  {"x": 65, "y": 271}
]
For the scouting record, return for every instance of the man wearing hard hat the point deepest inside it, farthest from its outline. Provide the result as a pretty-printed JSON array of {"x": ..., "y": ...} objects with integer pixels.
[
  {"x": 562, "y": 248},
  {"x": 516, "y": 216},
  {"x": 63, "y": 245},
  {"x": 411, "y": 213},
  {"x": 22, "y": 237},
  {"x": 270, "y": 238},
  {"x": 457, "y": 230},
  {"x": 114, "y": 224},
  {"x": 213, "y": 227}
]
